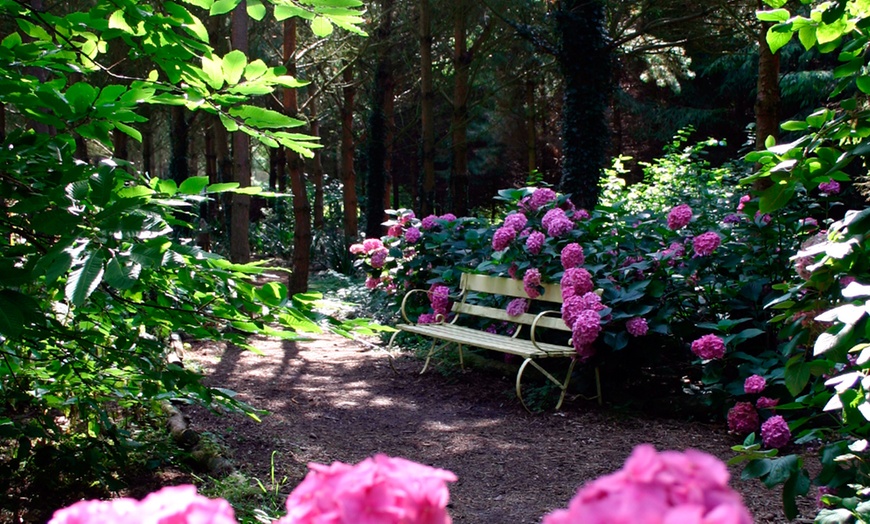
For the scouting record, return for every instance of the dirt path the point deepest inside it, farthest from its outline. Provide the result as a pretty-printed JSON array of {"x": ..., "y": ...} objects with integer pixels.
[{"x": 333, "y": 399}]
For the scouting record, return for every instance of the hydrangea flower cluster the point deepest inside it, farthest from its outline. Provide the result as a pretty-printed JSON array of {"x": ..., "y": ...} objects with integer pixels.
[
  {"x": 535, "y": 242},
  {"x": 516, "y": 221},
  {"x": 766, "y": 403},
  {"x": 572, "y": 256},
  {"x": 412, "y": 235},
  {"x": 541, "y": 197},
  {"x": 531, "y": 282},
  {"x": 679, "y": 217},
  {"x": 743, "y": 201},
  {"x": 380, "y": 490},
  {"x": 573, "y": 305},
  {"x": 517, "y": 307},
  {"x": 175, "y": 505},
  {"x": 742, "y": 418},
  {"x": 556, "y": 222},
  {"x": 709, "y": 347},
  {"x": 688, "y": 487},
  {"x": 576, "y": 281},
  {"x": 831, "y": 187},
  {"x": 754, "y": 384},
  {"x": 584, "y": 331},
  {"x": 775, "y": 433},
  {"x": 503, "y": 237},
  {"x": 705, "y": 243},
  {"x": 637, "y": 326}
]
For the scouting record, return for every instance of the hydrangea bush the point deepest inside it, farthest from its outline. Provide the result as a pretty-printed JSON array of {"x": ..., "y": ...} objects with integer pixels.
[{"x": 687, "y": 487}]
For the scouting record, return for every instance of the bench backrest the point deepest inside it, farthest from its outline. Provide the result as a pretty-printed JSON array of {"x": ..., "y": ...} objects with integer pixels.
[{"x": 485, "y": 284}]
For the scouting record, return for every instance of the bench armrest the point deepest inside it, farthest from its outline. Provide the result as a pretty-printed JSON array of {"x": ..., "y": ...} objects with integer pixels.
[
  {"x": 534, "y": 327},
  {"x": 440, "y": 317}
]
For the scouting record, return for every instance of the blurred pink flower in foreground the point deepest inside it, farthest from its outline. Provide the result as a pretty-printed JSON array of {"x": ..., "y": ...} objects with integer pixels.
[
  {"x": 670, "y": 487},
  {"x": 378, "y": 490}
]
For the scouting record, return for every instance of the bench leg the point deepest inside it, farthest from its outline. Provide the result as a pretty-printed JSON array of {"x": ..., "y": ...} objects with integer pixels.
[
  {"x": 433, "y": 350},
  {"x": 563, "y": 386},
  {"x": 461, "y": 363}
]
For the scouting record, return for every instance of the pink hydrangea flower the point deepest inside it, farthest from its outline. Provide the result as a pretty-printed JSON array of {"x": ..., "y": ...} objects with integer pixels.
[
  {"x": 371, "y": 244},
  {"x": 574, "y": 305},
  {"x": 743, "y": 201},
  {"x": 512, "y": 271},
  {"x": 576, "y": 281},
  {"x": 372, "y": 282},
  {"x": 809, "y": 223},
  {"x": 517, "y": 307},
  {"x": 572, "y": 255},
  {"x": 556, "y": 222},
  {"x": 679, "y": 217},
  {"x": 553, "y": 215},
  {"x": 448, "y": 217},
  {"x": 379, "y": 257},
  {"x": 440, "y": 299},
  {"x": 378, "y": 490},
  {"x": 585, "y": 330},
  {"x": 535, "y": 242},
  {"x": 427, "y": 318},
  {"x": 503, "y": 237},
  {"x": 637, "y": 326},
  {"x": 531, "y": 281},
  {"x": 395, "y": 231},
  {"x": 412, "y": 235},
  {"x": 428, "y": 222},
  {"x": 705, "y": 243},
  {"x": 357, "y": 249},
  {"x": 845, "y": 281},
  {"x": 766, "y": 402},
  {"x": 832, "y": 187},
  {"x": 670, "y": 487},
  {"x": 775, "y": 433},
  {"x": 516, "y": 221},
  {"x": 754, "y": 384},
  {"x": 541, "y": 197},
  {"x": 732, "y": 218},
  {"x": 172, "y": 505},
  {"x": 405, "y": 218},
  {"x": 742, "y": 418},
  {"x": 709, "y": 347},
  {"x": 581, "y": 214}
]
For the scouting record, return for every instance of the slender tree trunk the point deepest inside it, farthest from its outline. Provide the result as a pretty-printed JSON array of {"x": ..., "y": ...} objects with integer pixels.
[
  {"x": 240, "y": 248},
  {"x": 348, "y": 174},
  {"x": 148, "y": 141},
  {"x": 584, "y": 62},
  {"x": 461, "y": 65},
  {"x": 427, "y": 203},
  {"x": 389, "y": 137},
  {"x": 301, "y": 206},
  {"x": 376, "y": 181},
  {"x": 209, "y": 209},
  {"x": 179, "y": 145},
  {"x": 531, "y": 135},
  {"x": 120, "y": 143},
  {"x": 767, "y": 99},
  {"x": 316, "y": 162}
]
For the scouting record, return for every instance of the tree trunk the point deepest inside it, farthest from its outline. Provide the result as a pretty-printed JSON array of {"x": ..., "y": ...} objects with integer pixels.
[
  {"x": 301, "y": 207},
  {"x": 531, "y": 135},
  {"x": 240, "y": 248},
  {"x": 348, "y": 174},
  {"x": 148, "y": 142},
  {"x": 376, "y": 181},
  {"x": 584, "y": 62},
  {"x": 316, "y": 162},
  {"x": 179, "y": 145},
  {"x": 2, "y": 122},
  {"x": 389, "y": 137},
  {"x": 461, "y": 65},
  {"x": 120, "y": 143},
  {"x": 427, "y": 204},
  {"x": 767, "y": 98}
]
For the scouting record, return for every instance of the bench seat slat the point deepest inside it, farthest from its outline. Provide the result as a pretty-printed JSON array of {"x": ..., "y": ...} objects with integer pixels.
[{"x": 484, "y": 340}]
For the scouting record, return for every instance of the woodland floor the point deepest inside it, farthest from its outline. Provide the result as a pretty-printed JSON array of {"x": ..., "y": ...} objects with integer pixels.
[{"x": 332, "y": 399}]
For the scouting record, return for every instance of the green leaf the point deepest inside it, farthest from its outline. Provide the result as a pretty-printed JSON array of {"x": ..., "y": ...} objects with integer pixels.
[
  {"x": 776, "y": 197},
  {"x": 282, "y": 12},
  {"x": 256, "y": 9},
  {"x": 213, "y": 70},
  {"x": 826, "y": 33},
  {"x": 233, "y": 65},
  {"x": 781, "y": 470},
  {"x": 117, "y": 21},
  {"x": 81, "y": 97},
  {"x": 221, "y": 187},
  {"x": 321, "y": 26},
  {"x": 777, "y": 39},
  {"x": 797, "y": 375},
  {"x": 85, "y": 279},
  {"x": 834, "y": 516},
  {"x": 863, "y": 83},
  {"x": 260, "y": 117},
  {"x": 777, "y": 15},
  {"x": 121, "y": 276},
  {"x": 807, "y": 36},
  {"x": 775, "y": 3},
  {"x": 272, "y": 293},
  {"x": 222, "y": 7},
  {"x": 193, "y": 185}
]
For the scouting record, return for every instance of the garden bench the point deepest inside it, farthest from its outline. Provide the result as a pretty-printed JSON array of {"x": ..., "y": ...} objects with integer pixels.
[{"x": 531, "y": 349}]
